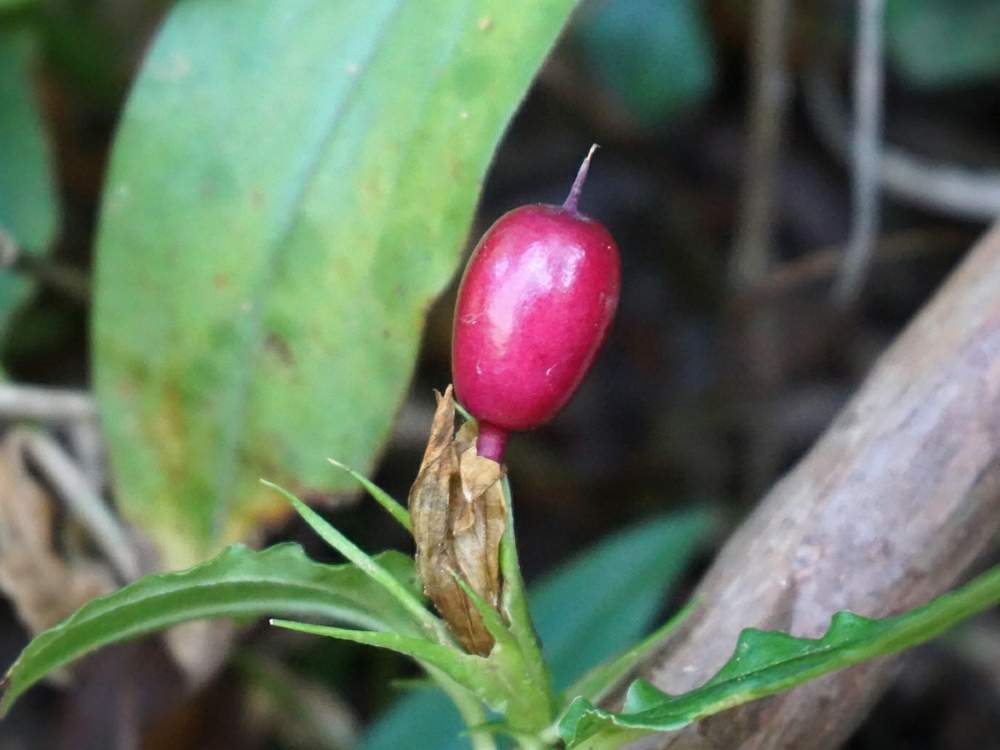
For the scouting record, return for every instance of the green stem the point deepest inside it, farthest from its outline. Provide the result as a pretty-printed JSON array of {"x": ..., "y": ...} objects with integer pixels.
[
  {"x": 515, "y": 605},
  {"x": 470, "y": 709}
]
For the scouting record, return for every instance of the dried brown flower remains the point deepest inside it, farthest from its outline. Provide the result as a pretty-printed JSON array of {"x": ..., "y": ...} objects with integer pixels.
[{"x": 458, "y": 513}]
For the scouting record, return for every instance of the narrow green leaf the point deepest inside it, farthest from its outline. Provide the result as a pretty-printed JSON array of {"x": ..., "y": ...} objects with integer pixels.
[
  {"x": 28, "y": 209},
  {"x": 765, "y": 663},
  {"x": 238, "y": 583},
  {"x": 383, "y": 498},
  {"x": 464, "y": 412},
  {"x": 471, "y": 672},
  {"x": 290, "y": 187},
  {"x": 410, "y": 601}
]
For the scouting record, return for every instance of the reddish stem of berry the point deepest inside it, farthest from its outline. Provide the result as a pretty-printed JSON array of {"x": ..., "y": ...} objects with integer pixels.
[{"x": 535, "y": 304}]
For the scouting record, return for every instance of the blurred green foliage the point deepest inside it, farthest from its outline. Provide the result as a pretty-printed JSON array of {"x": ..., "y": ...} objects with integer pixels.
[
  {"x": 940, "y": 43},
  {"x": 28, "y": 208},
  {"x": 657, "y": 58}
]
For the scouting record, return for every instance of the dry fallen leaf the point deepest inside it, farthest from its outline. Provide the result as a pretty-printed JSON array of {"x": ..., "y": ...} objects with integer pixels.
[
  {"x": 46, "y": 586},
  {"x": 43, "y": 587},
  {"x": 456, "y": 504}
]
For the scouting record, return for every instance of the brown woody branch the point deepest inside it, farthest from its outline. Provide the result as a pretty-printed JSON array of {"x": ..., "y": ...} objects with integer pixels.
[{"x": 890, "y": 508}]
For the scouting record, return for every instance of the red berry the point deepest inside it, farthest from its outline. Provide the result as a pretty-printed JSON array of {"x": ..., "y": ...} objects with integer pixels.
[{"x": 534, "y": 306}]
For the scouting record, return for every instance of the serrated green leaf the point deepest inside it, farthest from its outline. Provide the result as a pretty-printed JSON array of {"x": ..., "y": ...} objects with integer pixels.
[
  {"x": 765, "y": 663},
  {"x": 941, "y": 43},
  {"x": 290, "y": 187},
  {"x": 578, "y": 618},
  {"x": 27, "y": 197},
  {"x": 656, "y": 57},
  {"x": 238, "y": 583}
]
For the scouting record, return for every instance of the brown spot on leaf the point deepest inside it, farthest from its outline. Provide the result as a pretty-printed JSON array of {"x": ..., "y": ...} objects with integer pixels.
[
  {"x": 168, "y": 431},
  {"x": 277, "y": 346}
]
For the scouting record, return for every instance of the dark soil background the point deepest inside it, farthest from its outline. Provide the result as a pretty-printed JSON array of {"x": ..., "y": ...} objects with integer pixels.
[{"x": 683, "y": 407}]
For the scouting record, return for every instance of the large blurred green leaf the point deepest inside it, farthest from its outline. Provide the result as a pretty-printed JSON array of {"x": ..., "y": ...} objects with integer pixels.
[
  {"x": 602, "y": 601},
  {"x": 289, "y": 189},
  {"x": 425, "y": 713},
  {"x": 767, "y": 662},
  {"x": 27, "y": 197},
  {"x": 940, "y": 43},
  {"x": 656, "y": 57},
  {"x": 592, "y": 606},
  {"x": 10, "y": 5},
  {"x": 238, "y": 583}
]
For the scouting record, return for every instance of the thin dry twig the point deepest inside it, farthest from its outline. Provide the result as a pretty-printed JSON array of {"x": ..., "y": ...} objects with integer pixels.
[
  {"x": 70, "y": 282},
  {"x": 769, "y": 94},
  {"x": 45, "y": 404},
  {"x": 66, "y": 280},
  {"x": 820, "y": 266},
  {"x": 948, "y": 188},
  {"x": 867, "y": 141},
  {"x": 84, "y": 503},
  {"x": 84, "y": 436}
]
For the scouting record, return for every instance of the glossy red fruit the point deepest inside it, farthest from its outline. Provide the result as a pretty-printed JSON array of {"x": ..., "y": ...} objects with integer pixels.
[{"x": 534, "y": 306}]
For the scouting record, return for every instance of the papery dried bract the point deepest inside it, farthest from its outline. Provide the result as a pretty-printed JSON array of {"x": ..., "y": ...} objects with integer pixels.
[
  {"x": 479, "y": 517},
  {"x": 456, "y": 504}
]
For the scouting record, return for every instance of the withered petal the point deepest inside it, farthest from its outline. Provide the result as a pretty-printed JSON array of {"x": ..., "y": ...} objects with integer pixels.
[{"x": 456, "y": 504}]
